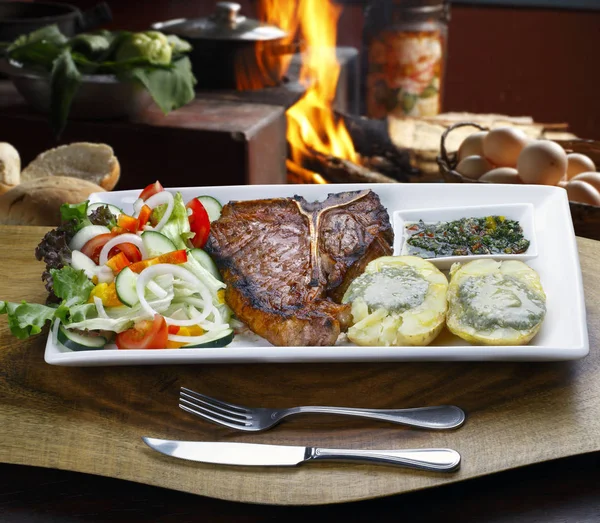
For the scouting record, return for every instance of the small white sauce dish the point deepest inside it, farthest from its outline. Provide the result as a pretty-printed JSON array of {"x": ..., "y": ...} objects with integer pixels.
[{"x": 521, "y": 212}]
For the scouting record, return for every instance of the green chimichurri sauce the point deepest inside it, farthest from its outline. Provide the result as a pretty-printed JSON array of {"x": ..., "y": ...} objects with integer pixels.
[{"x": 464, "y": 237}]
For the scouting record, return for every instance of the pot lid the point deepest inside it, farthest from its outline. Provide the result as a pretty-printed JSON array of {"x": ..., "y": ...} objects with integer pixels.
[{"x": 224, "y": 24}]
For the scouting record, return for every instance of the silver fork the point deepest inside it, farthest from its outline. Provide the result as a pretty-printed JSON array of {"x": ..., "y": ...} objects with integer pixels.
[{"x": 256, "y": 419}]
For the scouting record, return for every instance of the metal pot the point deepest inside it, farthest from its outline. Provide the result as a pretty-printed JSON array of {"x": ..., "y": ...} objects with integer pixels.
[
  {"x": 17, "y": 18},
  {"x": 231, "y": 51}
]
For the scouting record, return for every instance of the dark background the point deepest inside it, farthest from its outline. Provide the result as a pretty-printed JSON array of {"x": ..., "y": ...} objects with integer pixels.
[{"x": 539, "y": 62}]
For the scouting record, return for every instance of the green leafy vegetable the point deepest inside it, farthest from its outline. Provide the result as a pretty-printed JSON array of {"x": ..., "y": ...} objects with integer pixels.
[
  {"x": 41, "y": 47},
  {"x": 102, "y": 216},
  {"x": 170, "y": 88},
  {"x": 64, "y": 84},
  {"x": 71, "y": 285},
  {"x": 93, "y": 44},
  {"x": 178, "y": 45},
  {"x": 77, "y": 212},
  {"x": 150, "y": 45},
  {"x": 27, "y": 319},
  {"x": 150, "y": 58},
  {"x": 177, "y": 228}
]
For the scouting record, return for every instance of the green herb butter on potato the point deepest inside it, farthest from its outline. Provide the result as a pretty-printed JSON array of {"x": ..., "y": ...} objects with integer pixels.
[{"x": 398, "y": 300}]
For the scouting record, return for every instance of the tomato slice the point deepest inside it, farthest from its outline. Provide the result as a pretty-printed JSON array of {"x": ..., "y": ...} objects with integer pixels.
[
  {"x": 94, "y": 246},
  {"x": 199, "y": 223},
  {"x": 128, "y": 249},
  {"x": 151, "y": 190},
  {"x": 146, "y": 334}
]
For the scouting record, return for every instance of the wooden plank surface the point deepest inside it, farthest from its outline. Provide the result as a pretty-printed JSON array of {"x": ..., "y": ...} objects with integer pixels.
[{"x": 91, "y": 419}]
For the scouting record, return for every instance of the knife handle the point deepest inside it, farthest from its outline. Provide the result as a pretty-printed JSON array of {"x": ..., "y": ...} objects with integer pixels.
[{"x": 441, "y": 460}]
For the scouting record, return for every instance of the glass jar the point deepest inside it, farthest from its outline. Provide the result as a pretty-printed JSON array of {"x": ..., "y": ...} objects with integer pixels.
[{"x": 405, "y": 46}]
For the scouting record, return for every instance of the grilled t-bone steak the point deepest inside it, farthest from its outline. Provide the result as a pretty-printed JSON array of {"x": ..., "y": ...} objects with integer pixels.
[{"x": 286, "y": 261}]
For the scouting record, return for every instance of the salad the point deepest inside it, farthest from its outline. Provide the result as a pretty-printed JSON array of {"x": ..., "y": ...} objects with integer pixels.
[{"x": 117, "y": 281}]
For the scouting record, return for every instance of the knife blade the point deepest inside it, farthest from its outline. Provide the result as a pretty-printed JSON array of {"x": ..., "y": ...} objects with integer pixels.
[{"x": 254, "y": 454}]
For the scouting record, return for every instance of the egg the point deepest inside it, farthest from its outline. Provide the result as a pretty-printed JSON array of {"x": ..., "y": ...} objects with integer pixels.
[
  {"x": 577, "y": 164},
  {"x": 495, "y": 302},
  {"x": 582, "y": 192},
  {"x": 398, "y": 300},
  {"x": 503, "y": 145},
  {"x": 501, "y": 175},
  {"x": 542, "y": 162},
  {"x": 472, "y": 145},
  {"x": 591, "y": 178},
  {"x": 474, "y": 167}
]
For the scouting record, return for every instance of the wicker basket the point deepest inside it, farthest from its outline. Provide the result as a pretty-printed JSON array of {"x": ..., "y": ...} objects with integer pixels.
[{"x": 586, "y": 218}]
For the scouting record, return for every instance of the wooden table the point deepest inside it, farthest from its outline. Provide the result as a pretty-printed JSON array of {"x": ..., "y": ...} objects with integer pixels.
[{"x": 518, "y": 414}]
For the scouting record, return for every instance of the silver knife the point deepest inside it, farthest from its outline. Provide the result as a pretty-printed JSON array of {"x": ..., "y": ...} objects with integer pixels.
[{"x": 252, "y": 454}]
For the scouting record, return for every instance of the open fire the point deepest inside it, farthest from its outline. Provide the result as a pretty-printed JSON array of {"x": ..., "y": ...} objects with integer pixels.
[{"x": 312, "y": 125}]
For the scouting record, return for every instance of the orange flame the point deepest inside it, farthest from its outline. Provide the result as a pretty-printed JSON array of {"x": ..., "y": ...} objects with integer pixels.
[{"x": 311, "y": 122}]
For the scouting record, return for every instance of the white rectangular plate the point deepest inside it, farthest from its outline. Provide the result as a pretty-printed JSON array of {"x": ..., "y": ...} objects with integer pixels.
[{"x": 563, "y": 335}]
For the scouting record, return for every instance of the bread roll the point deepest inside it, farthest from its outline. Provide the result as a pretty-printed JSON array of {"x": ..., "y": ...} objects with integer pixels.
[
  {"x": 10, "y": 167},
  {"x": 38, "y": 202},
  {"x": 94, "y": 162}
]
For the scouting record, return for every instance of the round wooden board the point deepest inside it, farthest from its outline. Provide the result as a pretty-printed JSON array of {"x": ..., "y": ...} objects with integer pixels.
[{"x": 91, "y": 419}]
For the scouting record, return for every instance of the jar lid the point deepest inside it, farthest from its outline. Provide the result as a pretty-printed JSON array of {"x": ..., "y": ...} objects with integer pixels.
[{"x": 224, "y": 24}]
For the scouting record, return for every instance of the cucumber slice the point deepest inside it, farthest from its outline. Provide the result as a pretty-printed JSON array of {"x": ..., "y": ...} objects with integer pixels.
[
  {"x": 217, "y": 340},
  {"x": 74, "y": 341},
  {"x": 213, "y": 207},
  {"x": 85, "y": 235},
  {"x": 125, "y": 287},
  {"x": 81, "y": 262},
  {"x": 207, "y": 262},
  {"x": 156, "y": 243},
  {"x": 112, "y": 208}
]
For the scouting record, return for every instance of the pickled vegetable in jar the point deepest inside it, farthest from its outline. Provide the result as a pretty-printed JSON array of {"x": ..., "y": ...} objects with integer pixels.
[{"x": 405, "y": 44}]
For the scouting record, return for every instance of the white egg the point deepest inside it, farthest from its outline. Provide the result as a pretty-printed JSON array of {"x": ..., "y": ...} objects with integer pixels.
[
  {"x": 577, "y": 164},
  {"x": 542, "y": 162},
  {"x": 591, "y": 178},
  {"x": 582, "y": 192},
  {"x": 474, "y": 167},
  {"x": 503, "y": 145},
  {"x": 501, "y": 175},
  {"x": 472, "y": 145}
]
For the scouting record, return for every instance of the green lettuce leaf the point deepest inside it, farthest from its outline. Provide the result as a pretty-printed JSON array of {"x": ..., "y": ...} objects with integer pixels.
[
  {"x": 82, "y": 312},
  {"x": 76, "y": 212},
  {"x": 177, "y": 228},
  {"x": 171, "y": 88},
  {"x": 103, "y": 324},
  {"x": 93, "y": 45},
  {"x": 64, "y": 83},
  {"x": 178, "y": 45},
  {"x": 39, "y": 48},
  {"x": 27, "y": 319},
  {"x": 71, "y": 285}
]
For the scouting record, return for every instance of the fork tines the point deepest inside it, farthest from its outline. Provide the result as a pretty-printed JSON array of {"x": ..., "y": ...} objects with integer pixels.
[{"x": 214, "y": 410}]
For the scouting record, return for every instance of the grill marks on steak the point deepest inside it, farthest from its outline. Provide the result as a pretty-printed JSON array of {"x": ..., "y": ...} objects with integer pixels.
[{"x": 285, "y": 259}]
